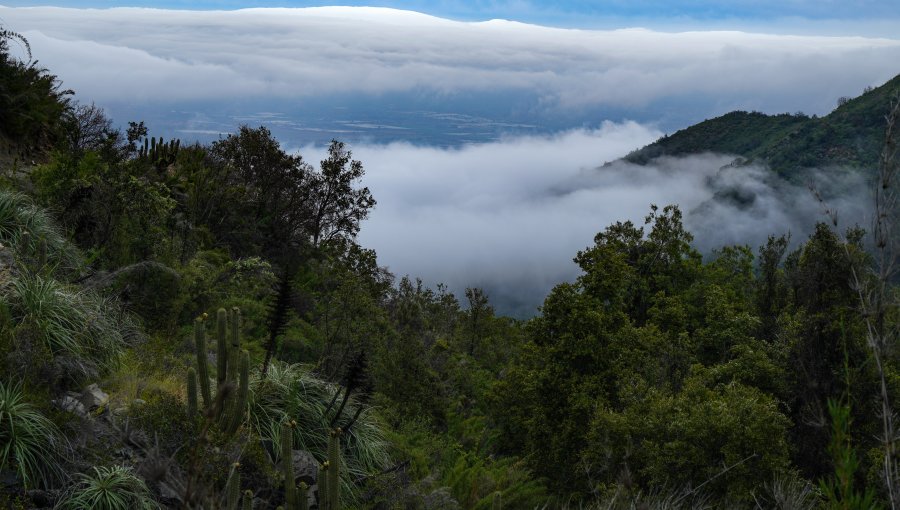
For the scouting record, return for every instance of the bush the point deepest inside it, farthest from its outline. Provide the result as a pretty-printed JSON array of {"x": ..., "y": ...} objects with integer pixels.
[
  {"x": 84, "y": 333},
  {"x": 292, "y": 392},
  {"x": 113, "y": 488},
  {"x": 29, "y": 442}
]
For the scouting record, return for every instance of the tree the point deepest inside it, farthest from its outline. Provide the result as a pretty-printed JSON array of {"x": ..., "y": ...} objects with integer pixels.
[
  {"x": 479, "y": 314},
  {"x": 267, "y": 189},
  {"x": 336, "y": 207}
]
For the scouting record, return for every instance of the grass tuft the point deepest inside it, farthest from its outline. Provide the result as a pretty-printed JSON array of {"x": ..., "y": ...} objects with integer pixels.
[
  {"x": 108, "y": 488},
  {"x": 29, "y": 442}
]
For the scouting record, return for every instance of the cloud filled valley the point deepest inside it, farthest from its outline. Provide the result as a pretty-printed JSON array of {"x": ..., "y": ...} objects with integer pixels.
[
  {"x": 483, "y": 141},
  {"x": 509, "y": 216}
]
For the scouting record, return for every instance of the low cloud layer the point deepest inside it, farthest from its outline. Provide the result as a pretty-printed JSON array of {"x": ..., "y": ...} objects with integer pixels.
[
  {"x": 510, "y": 216},
  {"x": 133, "y": 54}
]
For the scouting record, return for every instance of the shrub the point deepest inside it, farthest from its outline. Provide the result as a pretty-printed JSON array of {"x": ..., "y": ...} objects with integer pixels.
[
  {"x": 292, "y": 392},
  {"x": 83, "y": 331},
  {"x": 113, "y": 488},
  {"x": 29, "y": 442},
  {"x": 18, "y": 216}
]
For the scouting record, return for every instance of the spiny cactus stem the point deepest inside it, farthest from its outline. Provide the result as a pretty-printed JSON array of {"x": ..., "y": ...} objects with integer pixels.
[
  {"x": 221, "y": 346},
  {"x": 334, "y": 469},
  {"x": 239, "y": 406},
  {"x": 303, "y": 495},
  {"x": 233, "y": 487},
  {"x": 287, "y": 465},
  {"x": 192, "y": 392},
  {"x": 202, "y": 368}
]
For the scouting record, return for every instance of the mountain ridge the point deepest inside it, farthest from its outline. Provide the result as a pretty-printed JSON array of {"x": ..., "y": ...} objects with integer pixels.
[{"x": 851, "y": 136}]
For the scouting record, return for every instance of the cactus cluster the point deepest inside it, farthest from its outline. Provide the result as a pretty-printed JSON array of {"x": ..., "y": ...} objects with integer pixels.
[
  {"x": 232, "y": 373},
  {"x": 233, "y": 498},
  {"x": 296, "y": 497},
  {"x": 228, "y": 404},
  {"x": 160, "y": 153}
]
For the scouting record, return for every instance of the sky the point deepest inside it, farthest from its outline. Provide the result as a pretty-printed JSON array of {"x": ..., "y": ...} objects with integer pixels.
[
  {"x": 834, "y": 16},
  {"x": 484, "y": 126}
]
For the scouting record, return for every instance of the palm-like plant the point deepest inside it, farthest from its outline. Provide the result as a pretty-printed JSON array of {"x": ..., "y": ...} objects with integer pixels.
[
  {"x": 29, "y": 442},
  {"x": 292, "y": 392},
  {"x": 28, "y": 229},
  {"x": 108, "y": 488},
  {"x": 88, "y": 330}
]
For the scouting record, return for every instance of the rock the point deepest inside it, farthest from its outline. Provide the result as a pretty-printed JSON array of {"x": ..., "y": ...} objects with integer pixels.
[
  {"x": 120, "y": 411},
  {"x": 40, "y": 499},
  {"x": 71, "y": 405},
  {"x": 93, "y": 397},
  {"x": 306, "y": 467},
  {"x": 138, "y": 402}
]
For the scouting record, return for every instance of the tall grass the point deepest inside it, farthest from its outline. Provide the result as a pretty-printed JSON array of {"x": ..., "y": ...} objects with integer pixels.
[
  {"x": 24, "y": 227},
  {"x": 88, "y": 330},
  {"x": 112, "y": 488},
  {"x": 29, "y": 442},
  {"x": 292, "y": 392}
]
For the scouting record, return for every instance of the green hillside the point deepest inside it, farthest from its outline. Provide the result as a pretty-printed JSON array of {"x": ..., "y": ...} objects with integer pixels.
[{"x": 850, "y": 135}]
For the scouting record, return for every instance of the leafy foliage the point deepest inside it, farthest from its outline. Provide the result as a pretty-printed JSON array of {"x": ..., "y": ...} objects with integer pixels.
[
  {"x": 109, "y": 488},
  {"x": 30, "y": 444}
]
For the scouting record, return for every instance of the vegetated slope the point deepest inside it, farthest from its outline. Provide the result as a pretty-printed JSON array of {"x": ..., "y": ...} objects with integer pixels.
[{"x": 851, "y": 135}]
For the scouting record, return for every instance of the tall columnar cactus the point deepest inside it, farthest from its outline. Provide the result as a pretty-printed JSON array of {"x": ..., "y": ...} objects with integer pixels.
[
  {"x": 334, "y": 469},
  {"x": 192, "y": 392},
  {"x": 322, "y": 482},
  {"x": 303, "y": 496},
  {"x": 202, "y": 362},
  {"x": 497, "y": 503},
  {"x": 221, "y": 346},
  {"x": 287, "y": 464},
  {"x": 235, "y": 349},
  {"x": 236, "y": 411},
  {"x": 233, "y": 488},
  {"x": 248, "y": 500},
  {"x": 232, "y": 372}
]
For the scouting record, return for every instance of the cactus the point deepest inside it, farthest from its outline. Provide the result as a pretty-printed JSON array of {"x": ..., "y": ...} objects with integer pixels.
[
  {"x": 221, "y": 346},
  {"x": 159, "y": 152},
  {"x": 192, "y": 392},
  {"x": 303, "y": 496},
  {"x": 202, "y": 369},
  {"x": 322, "y": 481},
  {"x": 236, "y": 410},
  {"x": 287, "y": 464},
  {"x": 248, "y": 500},
  {"x": 233, "y": 487},
  {"x": 235, "y": 349},
  {"x": 497, "y": 503},
  {"x": 334, "y": 469},
  {"x": 232, "y": 363}
]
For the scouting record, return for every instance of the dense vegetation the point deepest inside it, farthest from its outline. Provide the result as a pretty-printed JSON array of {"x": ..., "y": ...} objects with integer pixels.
[
  {"x": 849, "y": 136},
  {"x": 191, "y": 326}
]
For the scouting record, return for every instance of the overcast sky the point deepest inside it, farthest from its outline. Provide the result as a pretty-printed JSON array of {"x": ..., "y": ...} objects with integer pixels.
[
  {"x": 509, "y": 214},
  {"x": 862, "y": 17}
]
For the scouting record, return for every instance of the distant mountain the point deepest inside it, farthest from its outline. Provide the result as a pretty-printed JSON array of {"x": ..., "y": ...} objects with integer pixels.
[{"x": 851, "y": 135}]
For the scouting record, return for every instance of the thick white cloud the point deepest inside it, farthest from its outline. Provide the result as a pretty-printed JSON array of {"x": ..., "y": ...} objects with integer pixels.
[
  {"x": 127, "y": 53},
  {"x": 510, "y": 216}
]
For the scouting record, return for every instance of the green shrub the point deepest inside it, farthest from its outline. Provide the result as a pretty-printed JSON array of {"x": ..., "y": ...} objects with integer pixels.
[
  {"x": 29, "y": 442},
  {"x": 82, "y": 330},
  {"x": 292, "y": 392},
  {"x": 25, "y": 227},
  {"x": 113, "y": 488}
]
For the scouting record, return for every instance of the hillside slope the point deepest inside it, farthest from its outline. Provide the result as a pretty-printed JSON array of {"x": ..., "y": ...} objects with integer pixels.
[{"x": 851, "y": 135}]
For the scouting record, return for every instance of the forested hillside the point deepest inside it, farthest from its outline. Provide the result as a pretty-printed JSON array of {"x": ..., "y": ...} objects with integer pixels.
[
  {"x": 849, "y": 136},
  {"x": 196, "y": 326}
]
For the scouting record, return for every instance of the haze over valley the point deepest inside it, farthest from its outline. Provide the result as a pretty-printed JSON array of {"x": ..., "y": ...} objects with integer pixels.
[{"x": 482, "y": 141}]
